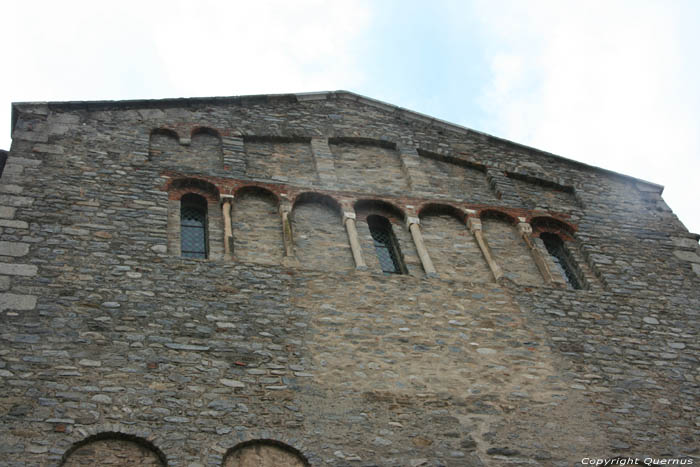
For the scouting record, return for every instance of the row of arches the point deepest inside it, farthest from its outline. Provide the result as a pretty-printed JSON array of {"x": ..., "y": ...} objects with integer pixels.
[
  {"x": 319, "y": 237},
  {"x": 125, "y": 450}
]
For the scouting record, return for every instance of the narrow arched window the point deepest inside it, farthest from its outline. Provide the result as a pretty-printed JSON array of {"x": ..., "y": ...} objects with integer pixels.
[
  {"x": 385, "y": 244},
  {"x": 562, "y": 259},
  {"x": 193, "y": 226}
]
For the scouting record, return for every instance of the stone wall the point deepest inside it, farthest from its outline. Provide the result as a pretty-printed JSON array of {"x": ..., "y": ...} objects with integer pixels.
[{"x": 295, "y": 344}]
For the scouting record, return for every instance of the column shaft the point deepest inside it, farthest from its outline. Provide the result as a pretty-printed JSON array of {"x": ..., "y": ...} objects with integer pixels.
[
  {"x": 421, "y": 250},
  {"x": 287, "y": 233},
  {"x": 354, "y": 243},
  {"x": 228, "y": 235},
  {"x": 475, "y": 227}
]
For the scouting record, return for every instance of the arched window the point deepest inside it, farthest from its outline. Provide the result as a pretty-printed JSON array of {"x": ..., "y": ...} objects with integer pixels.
[
  {"x": 386, "y": 245},
  {"x": 561, "y": 259},
  {"x": 193, "y": 226}
]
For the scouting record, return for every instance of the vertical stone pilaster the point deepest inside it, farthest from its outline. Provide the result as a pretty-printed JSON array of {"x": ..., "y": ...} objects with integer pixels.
[
  {"x": 474, "y": 225},
  {"x": 414, "y": 228},
  {"x": 410, "y": 161},
  {"x": 349, "y": 221},
  {"x": 323, "y": 160},
  {"x": 233, "y": 150}
]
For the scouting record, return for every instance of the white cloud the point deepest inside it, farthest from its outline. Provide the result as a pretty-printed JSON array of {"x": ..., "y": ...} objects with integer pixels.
[{"x": 607, "y": 83}]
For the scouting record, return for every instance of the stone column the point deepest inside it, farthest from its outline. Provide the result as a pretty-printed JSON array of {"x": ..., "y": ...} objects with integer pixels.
[
  {"x": 349, "y": 221},
  {"x": 413, "y": 224},
  {"x": 525, "y": 230},
  {"x": 226, "y": 202},
  {"x": 474, "y": 225}
]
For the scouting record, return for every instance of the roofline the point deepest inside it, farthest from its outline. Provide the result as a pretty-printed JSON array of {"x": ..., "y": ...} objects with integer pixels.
[{"x": 304, "y": 97}]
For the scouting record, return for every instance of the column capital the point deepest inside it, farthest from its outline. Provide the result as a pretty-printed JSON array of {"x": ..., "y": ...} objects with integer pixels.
[
  {"x": 474, "y": 223},
  {"x": 410, "y": 220},
  {"x": 285, "y": 204},
  {"x": 226, "y": 198},
  {"x": 348, "y": 215},
  {"x": 524, "y": 227}
]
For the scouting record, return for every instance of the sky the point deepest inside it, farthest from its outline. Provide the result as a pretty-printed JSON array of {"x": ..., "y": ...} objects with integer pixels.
[{"x": 614, "y": 83}]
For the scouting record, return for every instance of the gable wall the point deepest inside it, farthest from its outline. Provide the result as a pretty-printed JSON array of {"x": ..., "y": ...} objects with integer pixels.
[{"x": 105, "y": 329}]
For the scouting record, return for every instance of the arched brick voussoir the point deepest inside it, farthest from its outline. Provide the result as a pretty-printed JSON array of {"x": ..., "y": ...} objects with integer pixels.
[
  {"x": 160, "y": 450},
  {"x": 179, "y": 186},
  {"x": 553, "y": 225},
  {"x": 292, "y": 446}
]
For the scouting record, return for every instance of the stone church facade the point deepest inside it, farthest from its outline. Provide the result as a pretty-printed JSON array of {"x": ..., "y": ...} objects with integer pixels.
[{"x": 326, "y": 279}]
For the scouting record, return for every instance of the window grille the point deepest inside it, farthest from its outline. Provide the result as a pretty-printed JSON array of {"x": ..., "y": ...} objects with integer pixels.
[
  {"x": 193, "y": 226},
  {"x": 561, "y": 259},
  {"x": 385, "y": 244}
]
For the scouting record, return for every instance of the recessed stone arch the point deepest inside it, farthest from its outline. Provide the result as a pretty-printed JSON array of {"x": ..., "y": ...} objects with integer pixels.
[
  {"x": 561, "y": 251},
  {"x": 163, "y": 145},
  {"x": 320, "y": 239},
  {"x": 113, "y": 449},
  {"x": 365, "y": 208},
  {"x": 264, "y": 453},
  {"x": 256, "y": 226},
  {"x": 205, "y": 149},
  {"x": 452, "y": 248},
  {"x": 183, "y": 186},
  {"x": 509, "y": 249}
]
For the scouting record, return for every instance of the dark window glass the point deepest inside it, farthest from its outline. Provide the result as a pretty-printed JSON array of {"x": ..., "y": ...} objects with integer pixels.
[
  {"x": 193, "y": 226},
  {"x": 386, "y": 245},
  {"x": 561, "y": 259}
]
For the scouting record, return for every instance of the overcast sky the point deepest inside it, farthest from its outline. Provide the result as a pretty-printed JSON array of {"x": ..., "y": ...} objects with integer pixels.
[{"x": 611, "y": 83}]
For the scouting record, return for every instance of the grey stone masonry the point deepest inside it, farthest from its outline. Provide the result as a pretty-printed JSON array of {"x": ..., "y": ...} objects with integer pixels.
[{"x": 367, "y": 286}]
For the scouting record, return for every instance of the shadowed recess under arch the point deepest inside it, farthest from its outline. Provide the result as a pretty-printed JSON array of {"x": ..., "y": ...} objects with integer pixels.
[
  {"x": 320, "y": 239},
  {"x": 257, "y": 226},
  {"x": 452, "y": 247},
  {"x": 509, "y": 248},
  {"x": 373, "y": 206},
  {"x": 495, "y": 214},
  {"x": 550, "y": 224},
  {"x": 205, "y": 130},
  {"x": 439, "y": 209}
]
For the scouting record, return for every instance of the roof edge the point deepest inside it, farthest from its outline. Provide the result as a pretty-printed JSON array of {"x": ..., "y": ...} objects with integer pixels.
[{"x": 306, "y": 97}]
